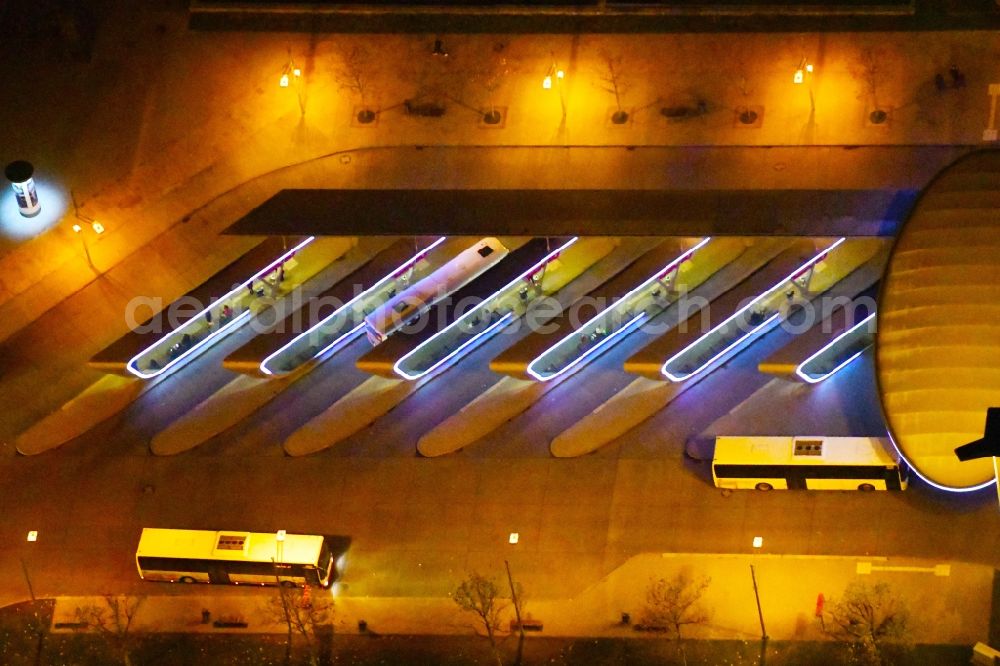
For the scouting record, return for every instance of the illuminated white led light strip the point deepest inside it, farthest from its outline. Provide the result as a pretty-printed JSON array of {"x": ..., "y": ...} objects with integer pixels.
[
  {"x": 592, "y": 351},
  {"x": 344, "y": 338},
  {"x": 397, "y": 367},
  {"x": 750, "y": 335},
  {"x": 950, "y": 489},
  {"x": 479, "y": 337},
  {"x": 214, "y": 335},
  {"x": 812, "y": 379},
  {"x": 340, "y": 341}
]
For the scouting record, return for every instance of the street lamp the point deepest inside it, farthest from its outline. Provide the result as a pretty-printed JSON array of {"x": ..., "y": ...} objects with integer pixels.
[
  {"x": 553, "y": 73},
  {"x": 801, "y": 71},
  {"x": 804, "y": 69},
  {"x": 32, "y": 537},
  {"x": 95, "y": 226},
  {"x": 290, "y": 73},
  {"x": 289, "y": 70},
  {"x": 554, "y": 77}
]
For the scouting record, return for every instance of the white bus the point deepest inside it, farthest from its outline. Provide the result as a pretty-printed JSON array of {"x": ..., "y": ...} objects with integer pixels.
[
  {"x": 415, "y": 299},
  {"x": 238, "y": 558},
  {"x": 807, "y": 463}
]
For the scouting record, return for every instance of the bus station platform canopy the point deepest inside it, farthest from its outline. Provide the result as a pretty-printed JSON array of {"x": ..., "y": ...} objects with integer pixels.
[
  {"x": 536, "y": 212},
  {"x": 938, "y": 340}
]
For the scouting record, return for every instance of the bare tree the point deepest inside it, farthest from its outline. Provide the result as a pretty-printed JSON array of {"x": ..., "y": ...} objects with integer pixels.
[
  {"x": 24, "y": 628},
  {"x": 490, "y": 75},
  {"x": 674, "y": 603},
  {"x": 870, "y": 73},
  {"x": 305, "y": 617},
  {"x": 39, "y": 623},
  {"x": 113, "y": 622},
  {"x": 744, "y": 112},
  {"x": 481, "y": 596},
  {"x": 613, "y": 81},
  {"x": 872, "y": 621},
  {"x": 355, "y": 74}
]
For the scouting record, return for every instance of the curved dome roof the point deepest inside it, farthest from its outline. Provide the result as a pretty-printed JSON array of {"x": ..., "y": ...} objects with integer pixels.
[{"x": 938, "y": 349}]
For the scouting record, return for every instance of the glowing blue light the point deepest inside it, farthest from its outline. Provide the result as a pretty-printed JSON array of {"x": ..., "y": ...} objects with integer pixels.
[
  {"x": 592, "y": 351},
  {"x": 214, "y": 335},
  {"x": 397, "y": 367},
  {"x": 813, "y": 379},
  {"x": 754, "y": 332},
  {"x": 346, "y": 337}
]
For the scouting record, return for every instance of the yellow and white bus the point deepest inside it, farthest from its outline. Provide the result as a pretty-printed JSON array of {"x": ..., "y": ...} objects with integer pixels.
[
  {"x": 807, "y": 463},
  {"x": 233, "y": 557}
]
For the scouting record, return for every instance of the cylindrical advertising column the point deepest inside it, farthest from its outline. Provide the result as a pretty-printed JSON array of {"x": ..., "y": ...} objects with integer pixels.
[{"x": 19, "y": 174}]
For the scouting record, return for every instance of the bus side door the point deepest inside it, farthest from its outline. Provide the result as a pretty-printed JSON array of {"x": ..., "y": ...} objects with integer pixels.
[{"x": 217, "y": 573}]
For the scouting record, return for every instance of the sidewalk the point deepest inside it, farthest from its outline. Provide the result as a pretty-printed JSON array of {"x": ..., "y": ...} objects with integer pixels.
[{"x": 945, "y": 609}]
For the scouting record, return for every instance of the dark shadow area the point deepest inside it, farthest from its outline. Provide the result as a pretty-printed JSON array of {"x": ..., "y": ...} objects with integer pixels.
[
  {"x": 623, "y": 16},
  {"x": 88, "y": 649},
  {"x": 994, "y": 637},
  {"x": 570, "y": 212}
]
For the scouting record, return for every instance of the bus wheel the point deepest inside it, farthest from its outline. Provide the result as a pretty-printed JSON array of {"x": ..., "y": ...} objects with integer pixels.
[
  {"x": 764, "y": 486},
  {"x": 866, "y": 487},
  {"x": 287, "y": 583},
  {"x": 187, "y": 579}
]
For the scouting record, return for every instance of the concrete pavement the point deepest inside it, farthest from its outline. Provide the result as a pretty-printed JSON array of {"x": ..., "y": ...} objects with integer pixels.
[
  {"x": 168, "y": 137},
  {"x": 949, "y": 605},
  {"x": 183, "y": 152}
]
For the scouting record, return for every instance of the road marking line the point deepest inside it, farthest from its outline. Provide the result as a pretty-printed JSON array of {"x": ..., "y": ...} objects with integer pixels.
[
  {"x": 990, "y": 133},
  {"x": 937, "y": 570},
  {"x": 778, "y": 556}
]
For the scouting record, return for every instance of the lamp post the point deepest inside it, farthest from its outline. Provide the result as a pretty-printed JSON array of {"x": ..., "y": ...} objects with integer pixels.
[
  {"x": 94, "y": 225},
  {"x": 760, "y": 614},
  {"x": 802, "y": 72},
  {"x": 554, "y": 77},
  {"x": 513, "y": 596},
  {"x": 32, "y": 537},
  {"x": 292, "y": 75},
  {"x": 804, "y": 68}
]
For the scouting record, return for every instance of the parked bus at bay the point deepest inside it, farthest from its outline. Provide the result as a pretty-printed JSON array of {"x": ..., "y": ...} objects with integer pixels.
[
  {"x": 807, "y": 463},
  {"x": 233, "y": 557},
  {"x": 413, "y": 301}
]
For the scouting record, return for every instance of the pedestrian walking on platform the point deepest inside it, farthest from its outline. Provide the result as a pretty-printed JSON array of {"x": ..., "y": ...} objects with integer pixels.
[{"x": 957, "y": 77}]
